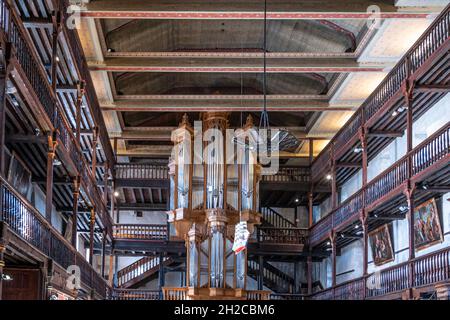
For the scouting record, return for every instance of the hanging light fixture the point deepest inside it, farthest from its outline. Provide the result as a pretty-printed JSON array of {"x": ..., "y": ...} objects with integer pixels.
[{"x": 286, "y": 140}]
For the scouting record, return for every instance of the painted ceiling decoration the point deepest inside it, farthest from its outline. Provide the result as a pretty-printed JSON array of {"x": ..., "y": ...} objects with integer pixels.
[{"x": 309, "y": 65}]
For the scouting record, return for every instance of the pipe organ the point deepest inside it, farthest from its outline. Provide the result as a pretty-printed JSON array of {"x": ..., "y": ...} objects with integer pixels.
[{"x": 214, "y": 178}]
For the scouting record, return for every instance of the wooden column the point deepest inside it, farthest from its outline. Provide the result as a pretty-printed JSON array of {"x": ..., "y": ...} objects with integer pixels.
[
  {"x": 261, "y": 272},
  {"x": 105, "y": 185},
  {"x": 94, "y": 152},
  {"x": 113, "y": 199},
  {"x": 3, "y": 80},
  {"x": 310, "y": 209},
  {"x": 365, "y": 227},
  {"x": 364, "y": 214},
  {"x": 309, "y": 266},
  {"x": 105, "y": 234},
  {"x": 111, "y": 269},
  {"x": 410, "y": 200},
  {"x": 364, "y": 146},
  {"x": 2, "y": 265},
  {"x": 161, "y": 275},
  {"x": 76, "y": 195},
  {"x": 80, "y": 93},
  {"x": 334, "y": 194},
  {"x": 56, "y": 20},
  {"x": 333, "y": 259},
  {"x": 311, "y": 185},
  {"x": 115, "y": 148},
  {"x": 91, "y": 236},
  {"x": 408, "y": 92},
  {"x": 409, "y": 192},
  {"x": 52, "y": 145},
  {"x": 3, "y": 243}
]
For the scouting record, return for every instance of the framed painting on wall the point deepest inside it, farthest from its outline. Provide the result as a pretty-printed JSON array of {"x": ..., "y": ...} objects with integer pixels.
[
  {"x": 381, "y": 245},
  {"x": 427, "y": 227},
  {"x": 19, "y": 176}
]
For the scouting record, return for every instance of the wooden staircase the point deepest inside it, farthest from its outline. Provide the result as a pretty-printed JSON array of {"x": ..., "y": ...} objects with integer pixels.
[
  {"x": 141, "y": 271},
  {"x": 271, "y": 218},
  {"x": 274, "y": 279}
]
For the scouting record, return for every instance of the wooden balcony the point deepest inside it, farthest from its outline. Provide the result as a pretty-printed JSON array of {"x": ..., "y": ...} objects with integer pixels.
[
  {"x": 183, "y": 294},
  {"x": 28, "y": 224},
  {"x": 421, "y": 274},
  {"x": 429, "y": 156},
  {"x": 281, "y": 240},
  {"x": 31, "y": 77},
  {"x": 135, "y": 294},
  {"x": 151, "y": 232},
  {"x": 141, "y": 175},
  {"x": 419, "y": 64}
]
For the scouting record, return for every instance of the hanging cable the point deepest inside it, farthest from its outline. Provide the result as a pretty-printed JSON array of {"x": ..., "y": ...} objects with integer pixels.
[{"x": 264, "y": 120}]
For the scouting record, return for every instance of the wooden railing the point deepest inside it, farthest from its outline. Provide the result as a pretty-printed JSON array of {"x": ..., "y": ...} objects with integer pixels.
[
  {"x": 282, "y": 235},
  {"x": 390, "y": 280},
  {"x": 175, "y": 293},
  {"x": 274, "y": 278},
  {"x": 350, "y": 290},
  {"x": 417, "y": 57},
  {"x": 135, "y": 294},
  {"x": 348, "y": 132},
  {"x": 257, "y": 295},
  {"x": 326, "y": 294},
  {"x": 289, "y": 174},
  {"x": 274, "y": 219},
  {"x": 322, "y": 164},
  {"x": 156, "y": 232},
  {"x": 286, "y": 296},
  {"x": 140, "y": 171},
  {"x": 137, "y": 269},
  {"x": 386, "y": 181},
  {"x": 321, "y": 229},
  {"x": 348, "y": 209},
  {"x": 431, "y": 150},
  {"x": 428, "y": 270},
  {"x": 435, "y": 148},
  {"x": 29, "y": 224}
]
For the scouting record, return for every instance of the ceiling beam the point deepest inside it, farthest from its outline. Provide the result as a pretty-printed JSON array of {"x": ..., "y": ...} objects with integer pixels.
[
  {"x": 223, "y": 65},
  {"x": 143, "y": 206},
  {"x": 230, "y": 53},
  {"x": 281, "y": 10},
  {"x": 390, "y": 217},
  {"x": 146, "y": 151},
  {"x": 385, "y": 134},
  {"x": 228, "y": 97},
  {"x": 26, "y": 138},
  {"x": 437, "y": 88},
  {"x": 222, "y": 105},
  {"x": 165, "y": 133},
  {"x": 37, "y": 22},
  {"x": 348, "y": 165}
]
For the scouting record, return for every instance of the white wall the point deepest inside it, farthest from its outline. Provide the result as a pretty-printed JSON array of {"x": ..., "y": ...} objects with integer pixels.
[
  {"x": 352, "y": 255},
  {"x": 38, "y": 200},
  {"x": 289, "y": 213},
  {"x": 148, "y": 217}
]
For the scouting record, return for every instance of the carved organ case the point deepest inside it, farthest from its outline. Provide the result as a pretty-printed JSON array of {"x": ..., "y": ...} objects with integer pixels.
[{"x": 214, "y": 179}]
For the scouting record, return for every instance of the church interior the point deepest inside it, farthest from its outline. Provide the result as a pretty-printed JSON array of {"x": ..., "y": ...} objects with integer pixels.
[{"x": 224, "y": 150}]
